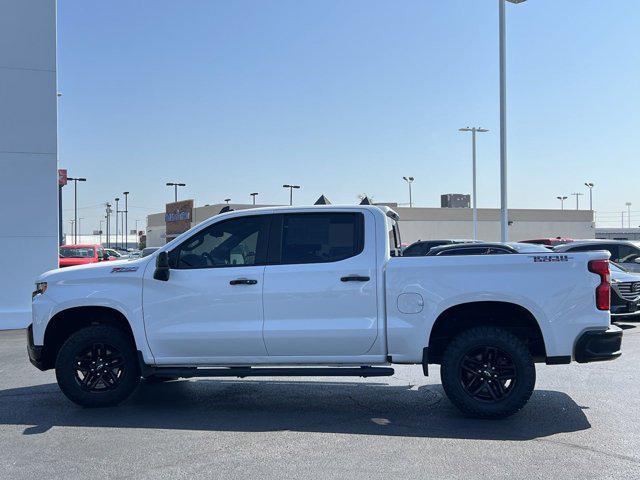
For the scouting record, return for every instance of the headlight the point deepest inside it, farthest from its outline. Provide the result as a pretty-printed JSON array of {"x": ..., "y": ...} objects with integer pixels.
[{"x": 41, "y": 287}]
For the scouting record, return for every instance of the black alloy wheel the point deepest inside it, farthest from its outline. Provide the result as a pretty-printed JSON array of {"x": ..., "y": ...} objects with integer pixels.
[
  {"x": 99, "y": 367},
  {"x": 487, "y": 374}
]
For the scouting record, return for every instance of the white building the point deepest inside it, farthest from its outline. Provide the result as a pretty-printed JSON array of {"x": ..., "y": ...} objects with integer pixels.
[
  {"x": 419, "y": 223},
  {"x": 28, "y": 153}
]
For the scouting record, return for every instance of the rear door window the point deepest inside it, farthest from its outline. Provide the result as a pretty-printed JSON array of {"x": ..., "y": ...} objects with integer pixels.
[{"x": 320, "y": 237}]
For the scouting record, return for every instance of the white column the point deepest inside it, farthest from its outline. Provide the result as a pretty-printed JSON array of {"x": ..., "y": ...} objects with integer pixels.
[{"x": 28, "y": 153}]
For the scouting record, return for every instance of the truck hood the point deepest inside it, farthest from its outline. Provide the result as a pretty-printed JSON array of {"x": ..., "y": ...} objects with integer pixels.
[{"x": 95, "y": 270}]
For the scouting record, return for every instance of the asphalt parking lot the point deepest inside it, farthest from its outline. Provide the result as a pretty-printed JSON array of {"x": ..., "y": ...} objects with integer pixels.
[{"x": 582, "y": 423}]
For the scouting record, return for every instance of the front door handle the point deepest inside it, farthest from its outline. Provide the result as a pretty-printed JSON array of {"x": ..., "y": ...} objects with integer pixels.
[
  {"x": 354, "y": 278},
  {"x": 243, "y": 281}
]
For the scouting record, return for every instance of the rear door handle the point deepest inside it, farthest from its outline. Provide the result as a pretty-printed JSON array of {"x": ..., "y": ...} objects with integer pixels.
[
  {"x": 243, "y": 281},
  {"x": 354, "y": 278}
]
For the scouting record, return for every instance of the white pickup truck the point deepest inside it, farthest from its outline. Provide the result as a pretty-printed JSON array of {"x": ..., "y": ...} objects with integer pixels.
[{"x": 314, "y": 291}]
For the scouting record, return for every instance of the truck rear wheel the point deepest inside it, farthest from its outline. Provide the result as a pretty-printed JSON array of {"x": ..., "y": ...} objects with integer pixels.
[
  {"x": 97, "y": 366},
  {"x": 487, "y": 372}
]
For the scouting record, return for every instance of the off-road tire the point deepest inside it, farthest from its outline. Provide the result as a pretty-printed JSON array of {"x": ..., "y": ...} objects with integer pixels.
[
  {"x": 459, "y": 383},
  {"x": 80, "y": 363}
]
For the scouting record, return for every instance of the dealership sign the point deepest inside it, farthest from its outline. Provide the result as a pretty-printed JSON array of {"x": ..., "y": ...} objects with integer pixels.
[{"x": 177, "y": 217}]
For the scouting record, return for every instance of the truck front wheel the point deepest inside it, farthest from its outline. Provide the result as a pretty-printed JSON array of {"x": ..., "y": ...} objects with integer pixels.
[
  {"x": 488, "y": 372},
  {"x": 97, "y": 366}
]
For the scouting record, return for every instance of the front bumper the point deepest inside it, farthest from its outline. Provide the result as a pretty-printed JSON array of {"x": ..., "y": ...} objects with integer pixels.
[
  {"x": 34, "y": 351},
  {"x": 598, "y": 345}
]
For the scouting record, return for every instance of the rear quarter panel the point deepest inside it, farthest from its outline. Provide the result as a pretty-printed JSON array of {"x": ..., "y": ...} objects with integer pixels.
[{"x": 557, "y": 289}]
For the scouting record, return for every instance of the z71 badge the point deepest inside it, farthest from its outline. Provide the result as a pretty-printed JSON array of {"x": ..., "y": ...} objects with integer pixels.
[
  {"x": 124, "y": 269},
  {"x": 550, "y": 258}
]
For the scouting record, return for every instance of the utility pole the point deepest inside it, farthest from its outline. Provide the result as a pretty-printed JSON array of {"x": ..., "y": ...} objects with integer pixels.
[
  {"x": 577, "y": 194},
  {"x": 100, "y": 232}
]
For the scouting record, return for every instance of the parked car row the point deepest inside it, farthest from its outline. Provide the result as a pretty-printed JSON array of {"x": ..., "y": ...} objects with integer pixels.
[{"x": 83, "y": 254}]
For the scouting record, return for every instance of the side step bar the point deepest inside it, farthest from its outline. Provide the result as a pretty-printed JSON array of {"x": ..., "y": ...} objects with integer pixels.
[{"x": 243, "y": 372}]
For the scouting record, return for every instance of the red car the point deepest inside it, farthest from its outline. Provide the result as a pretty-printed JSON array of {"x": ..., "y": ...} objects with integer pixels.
[
  {"x": 549, "y": 242},
  {"x": 80, "y": 255}
]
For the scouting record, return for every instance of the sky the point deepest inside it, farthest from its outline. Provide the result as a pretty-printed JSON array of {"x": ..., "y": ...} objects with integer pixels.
[{"x": 345, "y": 98}]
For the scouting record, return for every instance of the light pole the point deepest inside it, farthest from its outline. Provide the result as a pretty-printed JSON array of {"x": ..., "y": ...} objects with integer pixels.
[
  {"x": 409, "y": 180},
  {"x": 590, "y": 186},
  {"x": 291, "y": 187},
  {"x": 117, "y": 211},
  {"x": 628, "y": 204},
  {"x": 108, "y": 218},
  {"x": 473, "y": 131},
  {"x": 175, "y": 186},
  {"x": 126, "y": 218},
  {"x": 504, "y": 215},
  {"x": 227, "y": 200},
  {"x": 562, "y": 199},
  {"x": 75, "y": 205},
  {"x": 253, "y": 197}
]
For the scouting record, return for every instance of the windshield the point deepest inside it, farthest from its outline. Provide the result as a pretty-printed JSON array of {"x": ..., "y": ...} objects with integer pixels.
[{"x": 76, "y": 252}]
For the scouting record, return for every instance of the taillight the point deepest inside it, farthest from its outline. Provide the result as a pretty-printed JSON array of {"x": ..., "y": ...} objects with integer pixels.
[{"x": 603, "y": 291}]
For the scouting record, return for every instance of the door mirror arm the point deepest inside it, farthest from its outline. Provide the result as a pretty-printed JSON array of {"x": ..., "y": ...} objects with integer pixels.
[{"x": 162, "y": 267}]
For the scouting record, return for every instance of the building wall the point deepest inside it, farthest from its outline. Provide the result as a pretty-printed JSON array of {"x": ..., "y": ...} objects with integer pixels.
[
  {"x": 439, "y": 223},
  {"x": 28, "y": 153},
  {"x": 632, "y": 234}
]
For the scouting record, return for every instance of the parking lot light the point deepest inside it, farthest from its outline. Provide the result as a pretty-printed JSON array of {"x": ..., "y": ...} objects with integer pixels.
[
  {"x": 175, "y": 186},
  {"x": 409, "y": 180},
  {"x": 75, "y": 205},
  {"x": 590, "y": 186},
  {"x": 291, "y": 187},
  {"x": 473, "y": 149},
  {"x": 504, "y": 214},
  {"x": 562, "y": 199}
]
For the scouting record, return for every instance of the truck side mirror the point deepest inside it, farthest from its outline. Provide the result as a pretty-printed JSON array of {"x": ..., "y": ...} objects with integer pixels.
[{"x": 162, "y": 267}]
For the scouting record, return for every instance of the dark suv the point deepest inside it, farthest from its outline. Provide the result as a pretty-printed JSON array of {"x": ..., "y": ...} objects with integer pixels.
[{"x": 422, "y": 247}]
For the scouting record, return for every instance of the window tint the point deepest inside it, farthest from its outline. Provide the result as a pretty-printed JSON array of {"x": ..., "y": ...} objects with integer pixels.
[
  {"x": 321, "y": 237},
  {"x": 231, "y": 243}
]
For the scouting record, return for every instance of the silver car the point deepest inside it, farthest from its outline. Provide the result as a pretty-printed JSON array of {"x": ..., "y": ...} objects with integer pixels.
[{"x": 623, "y": 252}]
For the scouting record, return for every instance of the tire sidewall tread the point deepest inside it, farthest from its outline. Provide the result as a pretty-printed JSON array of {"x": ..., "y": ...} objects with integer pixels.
[{"x": 65, "y": 361}]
